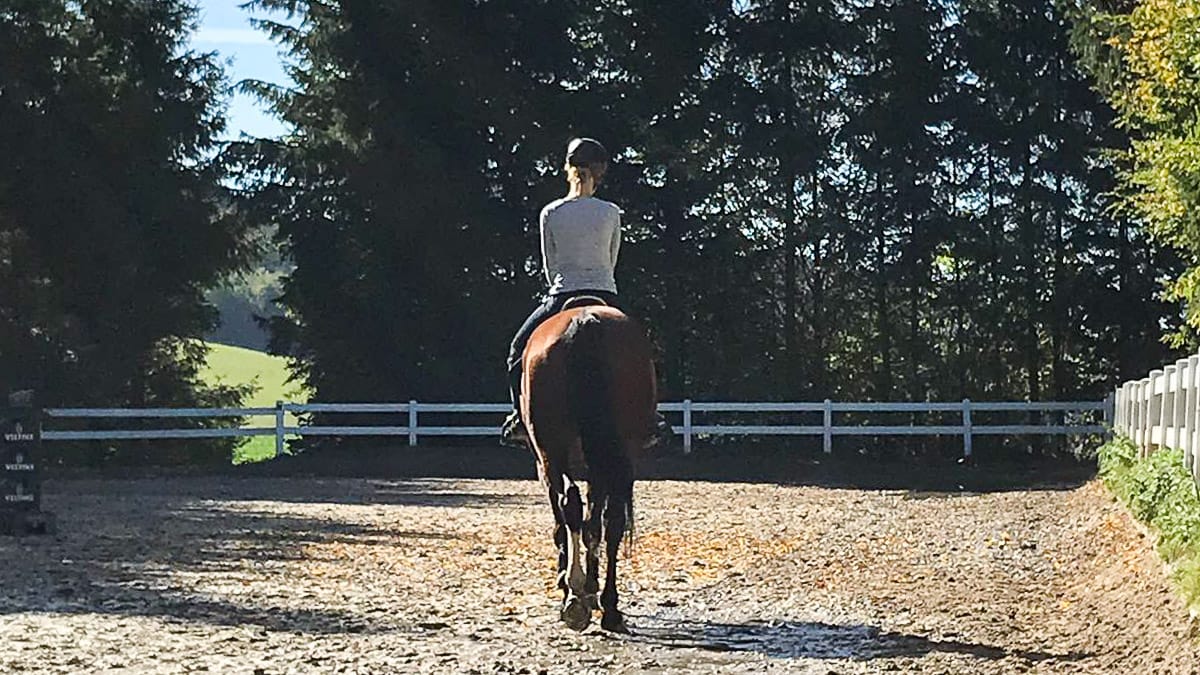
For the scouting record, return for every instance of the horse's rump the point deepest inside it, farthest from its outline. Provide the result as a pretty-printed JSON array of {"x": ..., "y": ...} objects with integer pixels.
[{"x": 591, "y": 372}]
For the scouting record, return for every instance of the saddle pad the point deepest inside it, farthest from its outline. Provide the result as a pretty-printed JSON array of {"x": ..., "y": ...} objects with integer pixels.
[{"x": 583, "y": 301}]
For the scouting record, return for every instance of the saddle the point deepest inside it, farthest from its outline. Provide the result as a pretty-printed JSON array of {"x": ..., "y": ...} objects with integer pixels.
[{"x": 583, "y": 301}]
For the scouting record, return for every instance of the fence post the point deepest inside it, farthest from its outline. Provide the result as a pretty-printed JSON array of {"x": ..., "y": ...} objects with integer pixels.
[
  {"x": 1127, "y": 418},
  {"x": 966, "y": 417},
  {"x": 412, "y": 423},
  {"x": 1164, "y": 406},
  {"x": 1155, "y": 406},
  {"x": 1127, "y": 408},
  {"x": 1178, "y": 397},
  {"x": 828, "y": 423},
  {"x": 1190, "y": 421},
  {"x": 278, "y": 428},
  {"x": 1145, "y": 397},
  {"x": 1194, "y": 429},
  {"x": 1183, "y": 406},
  {"x": 1109, "y": 412},
  {"x": 687, "y": 426},
  {"x": 1132, "y": 413}
]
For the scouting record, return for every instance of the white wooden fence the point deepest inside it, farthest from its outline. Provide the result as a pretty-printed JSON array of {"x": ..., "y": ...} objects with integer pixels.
[
  {"x": 1078, "y": 418},
  {"x": 1162, "y": 410}
]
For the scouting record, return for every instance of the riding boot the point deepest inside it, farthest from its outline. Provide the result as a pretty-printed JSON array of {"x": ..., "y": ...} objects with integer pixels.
[
  {"x": 513, "y": 432},
  {"x": 662, "y": 434}
]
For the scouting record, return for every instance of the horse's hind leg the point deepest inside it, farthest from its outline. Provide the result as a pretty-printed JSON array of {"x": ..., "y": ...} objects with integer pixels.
[
  {"x": 591, "y": 541},
  {"x": 560, "y": 546},
  {"x": 615, "y": 522},
  {"x": 568, "y": 504}
]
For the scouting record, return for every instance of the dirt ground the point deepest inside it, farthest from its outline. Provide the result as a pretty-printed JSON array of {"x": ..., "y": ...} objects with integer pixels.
[{"x": 278, "y": 572}]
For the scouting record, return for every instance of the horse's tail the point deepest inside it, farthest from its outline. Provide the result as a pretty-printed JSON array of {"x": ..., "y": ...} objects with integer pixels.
[{"x": 610, "y": 468}]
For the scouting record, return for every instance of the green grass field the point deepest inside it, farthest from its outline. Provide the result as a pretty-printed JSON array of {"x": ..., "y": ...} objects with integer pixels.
[{"x": 236, "y": 365}]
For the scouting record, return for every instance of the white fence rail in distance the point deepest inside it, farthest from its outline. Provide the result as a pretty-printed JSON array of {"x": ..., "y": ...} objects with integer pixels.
[{"x": 687, "y": 409}]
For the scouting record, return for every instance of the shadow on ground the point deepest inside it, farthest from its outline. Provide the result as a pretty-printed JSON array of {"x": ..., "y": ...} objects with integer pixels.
[
  {"x": 816, "y": 640},
  {"x": 179, "y": 551},
  {"x": 921, "y": 476}
]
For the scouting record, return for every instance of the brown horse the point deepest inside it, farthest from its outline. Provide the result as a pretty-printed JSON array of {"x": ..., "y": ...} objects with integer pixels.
[{"x": 588, "y": 403}]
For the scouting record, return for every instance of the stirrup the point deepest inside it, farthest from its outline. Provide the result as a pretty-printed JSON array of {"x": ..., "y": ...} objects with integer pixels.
[
  {"x": 513, "y": 433},
  {"x": 661, "y": 435}
]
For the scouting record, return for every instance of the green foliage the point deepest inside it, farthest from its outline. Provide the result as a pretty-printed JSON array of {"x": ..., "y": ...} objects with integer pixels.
[
  {"x": 847, "y": 199},
  {"x": 1144, "y": 55},
  {"x": 109, "y": 196},
  {"x": 403, "y": 197},
  {"x": 246, "y": 300},
  {"x": 255, "y": 449},
  {"x": 110, "y": 219},
  {"x": 873, "y": 199},
  {"x": 1160, "y": 491}
]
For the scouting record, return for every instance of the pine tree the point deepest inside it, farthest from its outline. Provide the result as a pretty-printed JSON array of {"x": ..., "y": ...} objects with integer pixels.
[{"x": 111, "y": 196}]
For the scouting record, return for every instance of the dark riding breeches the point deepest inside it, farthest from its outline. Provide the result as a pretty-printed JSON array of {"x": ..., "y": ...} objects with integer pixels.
[{"x": 549, "y": 307}]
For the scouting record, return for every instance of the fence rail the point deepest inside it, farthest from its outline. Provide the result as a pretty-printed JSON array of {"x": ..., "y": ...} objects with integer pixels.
[
  {"x": 688, "y": 410},
  {"x": 1162, "y": 410}
]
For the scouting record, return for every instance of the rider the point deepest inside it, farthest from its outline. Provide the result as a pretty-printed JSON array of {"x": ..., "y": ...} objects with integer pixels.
[{"x": 581, "y": 236}]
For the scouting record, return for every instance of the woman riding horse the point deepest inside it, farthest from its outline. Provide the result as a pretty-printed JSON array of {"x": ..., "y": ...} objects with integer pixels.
[{"x": 581, "y": 237}]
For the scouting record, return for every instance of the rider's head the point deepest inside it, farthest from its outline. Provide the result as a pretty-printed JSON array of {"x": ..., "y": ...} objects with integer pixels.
[{"x": 587, "y": 160}]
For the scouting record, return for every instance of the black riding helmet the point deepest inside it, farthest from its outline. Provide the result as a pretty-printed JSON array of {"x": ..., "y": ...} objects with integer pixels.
[{"x": 585, "y": 152}]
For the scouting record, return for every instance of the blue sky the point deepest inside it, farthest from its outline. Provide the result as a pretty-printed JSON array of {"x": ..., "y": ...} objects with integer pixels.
[{"x": 247, "y": 54}]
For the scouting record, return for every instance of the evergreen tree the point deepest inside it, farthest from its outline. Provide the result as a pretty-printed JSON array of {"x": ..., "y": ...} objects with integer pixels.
[
  {"x": 110, "y": 190},
  {"x": 894, "y": 141},
  {"x": 889, "y": 200}
]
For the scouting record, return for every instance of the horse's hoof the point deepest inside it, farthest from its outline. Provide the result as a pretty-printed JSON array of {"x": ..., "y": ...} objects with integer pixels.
[
  {"x": 614, "y": 622},
  {"x": 592, "y": 602},
  {"x": 576, "y": 614}
]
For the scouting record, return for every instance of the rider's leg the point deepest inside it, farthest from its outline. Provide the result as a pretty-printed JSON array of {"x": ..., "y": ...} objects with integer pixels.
[{"x": 513, "y": 432}]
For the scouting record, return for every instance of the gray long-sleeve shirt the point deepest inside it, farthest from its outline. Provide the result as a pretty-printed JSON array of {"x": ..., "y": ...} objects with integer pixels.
[{"x": 580, "y": 241}]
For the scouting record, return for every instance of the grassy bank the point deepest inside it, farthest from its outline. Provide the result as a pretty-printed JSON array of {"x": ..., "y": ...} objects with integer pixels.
[
  {"x": 1160, "y": 492},
  {"x": 269, "y": 375}
]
